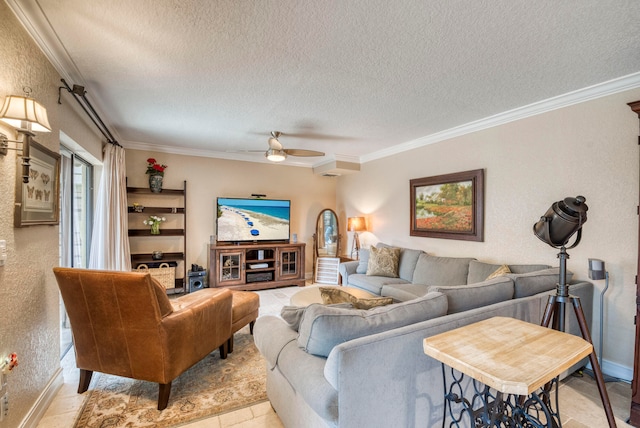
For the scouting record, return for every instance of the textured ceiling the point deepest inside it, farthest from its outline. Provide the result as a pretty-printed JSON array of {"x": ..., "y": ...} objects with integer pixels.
[{"x": 351, "y": 78}]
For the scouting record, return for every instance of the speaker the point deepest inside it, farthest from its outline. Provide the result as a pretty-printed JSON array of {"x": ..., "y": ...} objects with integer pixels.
[
  {"x": 596, "y": 269},
  {"x": 197, "y": 280}
]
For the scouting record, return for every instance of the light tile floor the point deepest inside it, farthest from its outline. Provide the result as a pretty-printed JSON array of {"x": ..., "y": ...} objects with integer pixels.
[{"x": 579, "y": 398}]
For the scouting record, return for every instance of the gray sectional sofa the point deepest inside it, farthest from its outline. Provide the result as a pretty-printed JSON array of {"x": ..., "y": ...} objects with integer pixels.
[
  {"x": 344, "y": 367},
  {"x": 462, "y": 279}
]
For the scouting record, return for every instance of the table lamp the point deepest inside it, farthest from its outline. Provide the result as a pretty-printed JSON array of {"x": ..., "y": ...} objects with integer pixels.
[{"x": 355, "y": 225}]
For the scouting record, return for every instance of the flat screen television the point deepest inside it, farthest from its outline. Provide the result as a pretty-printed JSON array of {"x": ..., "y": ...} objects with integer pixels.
[{"x": 251, "y": 220}]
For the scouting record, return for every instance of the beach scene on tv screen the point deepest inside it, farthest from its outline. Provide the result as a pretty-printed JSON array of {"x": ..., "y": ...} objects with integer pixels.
[{"x": 252, "y": 220}]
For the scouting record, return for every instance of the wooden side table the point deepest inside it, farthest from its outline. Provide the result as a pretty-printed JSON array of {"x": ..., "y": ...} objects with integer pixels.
[{"x": 510, "y": 362}]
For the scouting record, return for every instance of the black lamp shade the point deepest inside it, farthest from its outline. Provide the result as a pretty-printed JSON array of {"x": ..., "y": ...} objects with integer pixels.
[{"x": 561, "y": 221}]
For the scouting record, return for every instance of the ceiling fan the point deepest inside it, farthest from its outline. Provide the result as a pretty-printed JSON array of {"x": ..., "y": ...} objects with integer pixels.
[{"x": 277, "y": 153}]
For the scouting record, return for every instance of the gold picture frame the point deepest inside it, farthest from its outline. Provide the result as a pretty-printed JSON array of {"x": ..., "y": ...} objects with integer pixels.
[
  {"x": 38, "y": 201},
  {"x": 449, "y": 206}
]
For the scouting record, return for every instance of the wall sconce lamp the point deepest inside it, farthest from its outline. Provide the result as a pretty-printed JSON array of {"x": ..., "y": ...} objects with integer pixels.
[
  {"x": 355, "y": 225},
  {"x": 26, "y": 115}
]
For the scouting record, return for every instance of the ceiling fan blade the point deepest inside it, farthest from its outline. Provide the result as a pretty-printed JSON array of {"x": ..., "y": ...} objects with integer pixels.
[{"x": 303, "y": 152}]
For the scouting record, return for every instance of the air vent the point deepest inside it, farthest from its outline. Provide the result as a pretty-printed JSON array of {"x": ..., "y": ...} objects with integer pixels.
[{"x": 336, "y": 168}]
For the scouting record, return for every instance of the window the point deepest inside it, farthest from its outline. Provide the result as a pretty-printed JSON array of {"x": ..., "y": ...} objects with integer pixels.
[
  {"x": 76, "y": 215},
  {"x": 76, "y": 209}
]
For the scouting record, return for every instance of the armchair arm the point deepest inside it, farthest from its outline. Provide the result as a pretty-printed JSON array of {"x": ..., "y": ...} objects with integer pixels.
[
  {"x": 346, "y": 269},
  {"x": 200, "y": 324}
]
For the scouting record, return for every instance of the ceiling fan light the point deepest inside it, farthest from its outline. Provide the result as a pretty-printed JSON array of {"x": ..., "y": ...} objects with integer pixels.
[{"x": 275, "y": 155}]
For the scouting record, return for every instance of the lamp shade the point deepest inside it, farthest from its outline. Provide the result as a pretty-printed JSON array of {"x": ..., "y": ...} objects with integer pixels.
[
  {"x": 17, "y": 109},
  {"x": 561, "y": 221},
  {"x": 356, "y": 224}
]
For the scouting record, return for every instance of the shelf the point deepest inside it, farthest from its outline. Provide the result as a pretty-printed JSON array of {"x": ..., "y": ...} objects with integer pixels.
[
  {"x": 147, "y": 191},
  {"x": 260, "y": 260},
  {"x": 157, "y": 210},
  {"x": 166, "y": 257},
  {"x": 163, "y": 232}
]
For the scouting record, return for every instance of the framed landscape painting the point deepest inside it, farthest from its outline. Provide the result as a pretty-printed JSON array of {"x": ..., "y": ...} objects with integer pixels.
[{"x": 449, "y": 206}]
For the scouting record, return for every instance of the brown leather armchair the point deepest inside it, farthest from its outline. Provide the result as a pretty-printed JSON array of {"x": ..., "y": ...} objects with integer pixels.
[{"x": 124, "y": 324}]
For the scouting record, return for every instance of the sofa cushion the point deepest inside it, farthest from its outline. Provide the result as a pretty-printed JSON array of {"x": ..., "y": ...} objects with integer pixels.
[
  {"x": 363, "y": 259},
  {"x": 464, "y": 297},
  {"x": 333, "y": 295},
  {"x": 373, "y": 284},
  {"x": 479, "y": 271},
  {"x": 528, "y": 284},
  {"x": 323, "y": 327},
  {"x": 431, "y": 270},
  {"x": 383, "y": 262},
  {"x": 292, "y": 315},
  {"x": 407, "y": 262},
  {"x": 404, "y": 292}
]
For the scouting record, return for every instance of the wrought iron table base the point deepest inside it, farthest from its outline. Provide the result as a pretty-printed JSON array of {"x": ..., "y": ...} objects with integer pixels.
[{"x": 490, "y": 408}]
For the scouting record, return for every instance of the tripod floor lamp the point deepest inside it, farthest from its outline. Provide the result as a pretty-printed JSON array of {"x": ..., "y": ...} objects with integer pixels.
[
  {"x": 355, "y": 225},
  {"x": 556, "y": 227}
]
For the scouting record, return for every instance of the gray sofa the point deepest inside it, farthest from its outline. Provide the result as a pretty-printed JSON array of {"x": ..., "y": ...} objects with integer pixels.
[
  {"x": 462, "y": 279},
  {"x": 342, "y": 367}
]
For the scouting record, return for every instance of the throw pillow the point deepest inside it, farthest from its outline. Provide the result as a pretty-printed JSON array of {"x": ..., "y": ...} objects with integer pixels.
[
  {"x": 501, "y": 271},
  {"x": 332, "y": 295},
  {"x": 323, "y": 327},
  {"x": 383, "y": 262}
]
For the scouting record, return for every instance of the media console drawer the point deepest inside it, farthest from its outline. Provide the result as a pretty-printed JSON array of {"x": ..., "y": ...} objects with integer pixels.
[{"x": 259, "y": 276}]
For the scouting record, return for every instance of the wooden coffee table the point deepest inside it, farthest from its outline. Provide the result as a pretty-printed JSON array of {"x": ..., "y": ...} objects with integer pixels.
[{"x": 311, "y": 294}]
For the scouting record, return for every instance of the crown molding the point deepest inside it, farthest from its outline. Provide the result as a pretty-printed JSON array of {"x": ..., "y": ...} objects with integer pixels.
[
  {"x": 625, "y": 83},
  {"x": 32, "y": 18}
]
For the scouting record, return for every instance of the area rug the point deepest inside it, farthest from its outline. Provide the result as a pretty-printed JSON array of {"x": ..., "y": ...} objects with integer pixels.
[{"x": 213, "y": 386}]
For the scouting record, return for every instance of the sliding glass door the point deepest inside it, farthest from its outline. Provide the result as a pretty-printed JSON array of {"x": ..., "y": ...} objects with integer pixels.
[{"x": 76, "y": 215}]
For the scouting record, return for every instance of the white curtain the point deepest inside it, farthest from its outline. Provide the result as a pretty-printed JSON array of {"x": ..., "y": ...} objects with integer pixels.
[{"x": 110, "y": 239}]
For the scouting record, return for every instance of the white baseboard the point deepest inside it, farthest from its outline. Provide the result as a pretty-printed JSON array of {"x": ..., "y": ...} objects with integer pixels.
[
  {"x": 615, "y": 370},
  {"x": 43, "y": 402}
]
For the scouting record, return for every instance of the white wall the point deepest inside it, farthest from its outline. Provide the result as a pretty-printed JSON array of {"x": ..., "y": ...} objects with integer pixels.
[
  {"x": 208, "y": 178},
  {"x": 590, "y": 149},
  {"x": 29, "y": 298}
]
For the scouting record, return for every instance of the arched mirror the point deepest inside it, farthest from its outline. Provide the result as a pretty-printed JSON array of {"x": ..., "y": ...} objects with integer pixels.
[
  {"x": 327, "y": 247},
  {"x": 327, "y": 234}
]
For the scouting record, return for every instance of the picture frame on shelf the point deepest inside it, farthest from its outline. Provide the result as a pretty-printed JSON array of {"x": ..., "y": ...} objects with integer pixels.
[
  {"x": 449, "y": 206},
  {"x": 37, "y": 202}
]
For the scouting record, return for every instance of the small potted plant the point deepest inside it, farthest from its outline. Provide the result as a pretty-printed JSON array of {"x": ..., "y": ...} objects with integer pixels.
[{"x": 154, "y": 221}]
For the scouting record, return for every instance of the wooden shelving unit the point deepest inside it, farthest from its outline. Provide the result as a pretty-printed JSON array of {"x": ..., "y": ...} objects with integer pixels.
[{"x": 168, "y": 203}]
